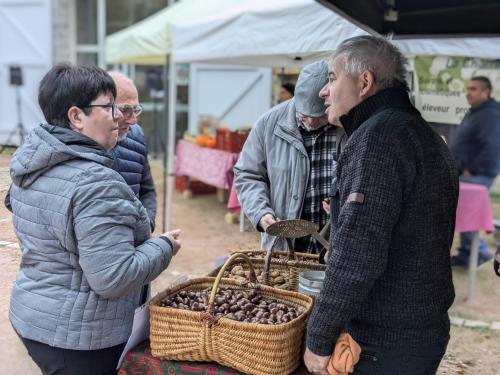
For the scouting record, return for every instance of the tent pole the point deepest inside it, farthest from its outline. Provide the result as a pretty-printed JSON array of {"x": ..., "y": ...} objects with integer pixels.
[
  {"x": 164, "y": 144},
  {"x": 169, "y": 183}
]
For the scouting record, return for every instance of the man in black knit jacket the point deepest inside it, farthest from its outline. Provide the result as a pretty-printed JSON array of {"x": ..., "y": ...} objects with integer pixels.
[{"x": 388, "y": 282}]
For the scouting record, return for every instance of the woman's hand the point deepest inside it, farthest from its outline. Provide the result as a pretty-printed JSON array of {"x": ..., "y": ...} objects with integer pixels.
[{"x": 173, "y": 236}]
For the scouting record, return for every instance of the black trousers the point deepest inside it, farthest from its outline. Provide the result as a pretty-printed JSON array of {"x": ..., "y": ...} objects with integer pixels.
[
  {"x": 379, "y": 361},
  {"x": 57, "y": 361}
]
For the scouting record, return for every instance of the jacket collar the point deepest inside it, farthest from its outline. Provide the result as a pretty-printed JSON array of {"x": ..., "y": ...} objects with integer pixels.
[
  {"x": 79, "y": 143},
  {"x": 487, "y": 103},
  {"x": 72, "y": 138},
  {"x": 393, "y": 98},
  {"x": 288, "y": 127}
]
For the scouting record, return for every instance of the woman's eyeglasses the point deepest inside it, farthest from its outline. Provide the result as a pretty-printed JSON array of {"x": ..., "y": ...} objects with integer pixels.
[{"x": 113, "y": 106}]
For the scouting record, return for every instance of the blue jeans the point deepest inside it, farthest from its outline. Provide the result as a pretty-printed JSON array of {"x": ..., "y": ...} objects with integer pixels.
[
  {"x": 380, "y": 361},
  {"x": 466, "y": 237}
]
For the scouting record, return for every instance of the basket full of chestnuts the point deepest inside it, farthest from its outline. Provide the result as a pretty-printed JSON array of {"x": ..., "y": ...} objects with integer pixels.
[{"x": 245, "y": 325}]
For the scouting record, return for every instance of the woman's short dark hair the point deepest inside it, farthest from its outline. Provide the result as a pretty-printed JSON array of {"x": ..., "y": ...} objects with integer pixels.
[{"x": 67, "y": 85}]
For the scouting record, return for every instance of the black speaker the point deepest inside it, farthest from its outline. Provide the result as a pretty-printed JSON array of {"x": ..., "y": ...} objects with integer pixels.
[{"x": 16, "y": 75}]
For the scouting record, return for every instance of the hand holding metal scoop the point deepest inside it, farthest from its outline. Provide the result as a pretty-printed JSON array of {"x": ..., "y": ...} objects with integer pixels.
[{"x": 296, "y": 228}]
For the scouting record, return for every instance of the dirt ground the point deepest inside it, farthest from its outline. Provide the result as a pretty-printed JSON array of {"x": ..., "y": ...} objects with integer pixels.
[{"x": 206, "y": 236}]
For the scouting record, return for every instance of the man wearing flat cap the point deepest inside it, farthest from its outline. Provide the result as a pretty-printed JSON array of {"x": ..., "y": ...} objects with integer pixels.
[{"x": 286, "y": 167}]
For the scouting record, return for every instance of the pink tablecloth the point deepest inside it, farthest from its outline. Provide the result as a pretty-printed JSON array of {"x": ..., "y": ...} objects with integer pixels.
[
  {"x": 233, "y": 203},
  {"x": 474, "y": 209},
  {"x": 213, "y": 167}
]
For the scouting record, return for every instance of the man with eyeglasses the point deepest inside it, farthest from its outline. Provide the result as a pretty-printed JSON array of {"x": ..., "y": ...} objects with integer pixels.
[{"x": 131, "y": 154}]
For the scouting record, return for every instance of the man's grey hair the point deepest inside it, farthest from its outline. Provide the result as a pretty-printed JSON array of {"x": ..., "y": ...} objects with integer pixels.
[{"x": 378, "y": 56}]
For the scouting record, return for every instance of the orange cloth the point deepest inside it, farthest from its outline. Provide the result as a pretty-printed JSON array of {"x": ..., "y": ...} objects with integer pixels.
[{"x": 345, "y": 356}]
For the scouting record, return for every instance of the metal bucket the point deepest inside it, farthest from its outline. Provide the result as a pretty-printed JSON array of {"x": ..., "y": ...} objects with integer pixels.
[{"x": 311, "y": 282}]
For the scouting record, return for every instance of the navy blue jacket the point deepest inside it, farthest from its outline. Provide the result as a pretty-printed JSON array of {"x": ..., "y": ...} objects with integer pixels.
[
  {"x": 131, "y": 161},
  {"x": 476, "y": 146}
]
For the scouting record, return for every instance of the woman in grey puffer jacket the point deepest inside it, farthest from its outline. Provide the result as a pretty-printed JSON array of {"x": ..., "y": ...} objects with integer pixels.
[{"x": 85, "y": 238}]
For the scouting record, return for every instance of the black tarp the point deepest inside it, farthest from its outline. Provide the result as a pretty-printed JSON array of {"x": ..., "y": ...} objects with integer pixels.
[{"x": 406, "y": 18}]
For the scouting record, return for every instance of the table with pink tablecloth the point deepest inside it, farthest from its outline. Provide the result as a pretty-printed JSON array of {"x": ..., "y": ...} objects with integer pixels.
[
  {"x": 234, "y": 206},
  {"x": 211, "y": 166},
  {"x": 474, "y": 209},
  {"x": 233, "y": 203},
  {"x": 474, "y": 214}
]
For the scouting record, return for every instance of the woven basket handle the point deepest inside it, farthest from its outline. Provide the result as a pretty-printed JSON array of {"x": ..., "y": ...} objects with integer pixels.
[
  {"x": 269, "y": 255},
  {"x": 252, "y": 277}
]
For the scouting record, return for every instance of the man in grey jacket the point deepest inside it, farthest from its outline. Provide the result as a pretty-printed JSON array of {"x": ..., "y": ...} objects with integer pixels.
[{"x": 286, "y": 166}]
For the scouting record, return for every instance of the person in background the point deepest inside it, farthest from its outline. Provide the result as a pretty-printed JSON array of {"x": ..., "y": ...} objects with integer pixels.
[
  {"x": 288, "y": 161},
  {"x": 85, "y": 238},
  {"x": 287, "y": 91},
  {"x": 131, "y": 153},
  {"x": 476, "y": 148},
  {"x": 388, "y": 281}
]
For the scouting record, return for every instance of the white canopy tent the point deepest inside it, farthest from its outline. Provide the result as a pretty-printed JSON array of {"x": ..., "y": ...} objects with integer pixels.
[
  {"x": 259, "y": 32},
  {"x": 294, "y": 33}
]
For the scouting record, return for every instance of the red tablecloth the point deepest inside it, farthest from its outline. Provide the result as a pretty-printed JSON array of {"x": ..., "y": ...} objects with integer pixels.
[
  {"x": 213, "y": 167},
  {"x": 140, "y": 361},
  {"x": 474, "y": 209}
]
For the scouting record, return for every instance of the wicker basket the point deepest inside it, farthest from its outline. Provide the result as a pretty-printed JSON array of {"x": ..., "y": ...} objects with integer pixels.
[
  {"x": 285, "y": 256},
  {"x": 295, "y": 266},
  {"x": 248, "y": 347},
  {"x": 290, "y": 267}
]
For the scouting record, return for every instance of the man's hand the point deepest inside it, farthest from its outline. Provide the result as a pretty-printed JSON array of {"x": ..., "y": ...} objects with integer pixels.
[
  {"x": 316, "y": 363},
  {"x": 173, "y": 236},
  {"x": 266, "y": 220},
  {"x": 466, "y": 173},
  {"x": 326, "y": 205},
  {"x": 327, "y": 256}
]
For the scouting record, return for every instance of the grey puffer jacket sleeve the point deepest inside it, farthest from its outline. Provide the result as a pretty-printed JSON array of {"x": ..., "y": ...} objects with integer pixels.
[
  {"x": 106, "y": 218},
  {"x": 252, "y": 181}
]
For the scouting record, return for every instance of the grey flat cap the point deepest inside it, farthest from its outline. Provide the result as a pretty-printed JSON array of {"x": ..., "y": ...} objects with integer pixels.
[{"x": 311, "y": 80}]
